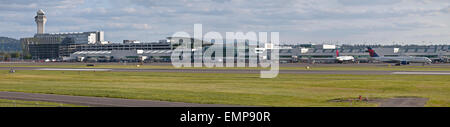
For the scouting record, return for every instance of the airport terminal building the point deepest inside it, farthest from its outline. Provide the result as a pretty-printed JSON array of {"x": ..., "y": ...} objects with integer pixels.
[
  {"x": 91, "y": 46},
  {"x": 47, "y": 45},
  {"x": 321, "y": 54},
  {"x": 161, "y": 52}
]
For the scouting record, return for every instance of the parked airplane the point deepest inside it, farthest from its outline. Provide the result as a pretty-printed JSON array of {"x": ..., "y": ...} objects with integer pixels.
[
  {"x": 338, "y": 59},
  {"x": 344, "y": 58},
  {"x": 401, "y": 60}
]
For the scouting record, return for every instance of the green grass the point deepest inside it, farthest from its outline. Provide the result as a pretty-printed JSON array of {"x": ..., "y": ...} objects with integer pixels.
[
  {"x": 238, "y": 89},
  {"x": 20, "y": 103},
  {"x": 302, "y": 67}
]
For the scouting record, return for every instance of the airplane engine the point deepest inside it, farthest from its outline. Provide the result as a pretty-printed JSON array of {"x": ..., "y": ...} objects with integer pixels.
[{"x": 404, "y": 62}]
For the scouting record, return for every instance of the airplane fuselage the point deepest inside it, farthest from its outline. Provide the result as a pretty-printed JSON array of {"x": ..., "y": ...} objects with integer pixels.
[
  {"x": 403, "y": 60},
  {"x": 345, "y": 58}
]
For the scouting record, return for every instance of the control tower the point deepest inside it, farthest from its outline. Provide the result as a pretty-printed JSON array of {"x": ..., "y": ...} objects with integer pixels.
[{"x": 40, "y": 19}]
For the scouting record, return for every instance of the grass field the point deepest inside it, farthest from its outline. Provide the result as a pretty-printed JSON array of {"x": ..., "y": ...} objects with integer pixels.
[
  {"x": 298, "y": 67},
  {"x": 20, "y": 103},
  {"x": 238, "y": 89}
]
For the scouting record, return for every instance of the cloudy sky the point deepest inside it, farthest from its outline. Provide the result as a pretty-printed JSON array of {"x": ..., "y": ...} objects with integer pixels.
[{"x": 298, "y": 21}]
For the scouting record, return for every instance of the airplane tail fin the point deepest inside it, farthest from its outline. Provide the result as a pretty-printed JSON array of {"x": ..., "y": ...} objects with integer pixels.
[
  {"x": 337, "y": 53},
  {"x": 372, "y": 52}
]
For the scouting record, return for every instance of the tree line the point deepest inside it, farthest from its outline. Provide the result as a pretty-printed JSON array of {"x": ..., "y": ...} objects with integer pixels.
[{"x": 7, "y": 56}]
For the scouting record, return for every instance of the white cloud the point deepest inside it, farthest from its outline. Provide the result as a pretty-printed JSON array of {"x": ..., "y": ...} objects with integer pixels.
[
  {"x": 141, "y": 26},
  {"x": 129, "y": 10},
  {"x": 64, "y": 4},
  {"x": 297, "y": 20},
  {"x": 128, "y": 26}
]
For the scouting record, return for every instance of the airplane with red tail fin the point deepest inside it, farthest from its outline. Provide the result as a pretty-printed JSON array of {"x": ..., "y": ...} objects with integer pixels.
[
  {"x": 400, "y": 60},
  {"x": 344, "y": 58}
]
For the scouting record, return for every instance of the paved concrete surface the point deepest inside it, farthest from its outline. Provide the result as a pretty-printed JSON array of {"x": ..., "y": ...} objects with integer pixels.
[
  {"x": 170, "y": 64},
  {"x": 404, "y": 102},
  {"x": 250, "y": 71},
  {"x": 71, "y": 69},
  {"x": 421, "y": 73},
  {"x": 100, "y": 101},
  {"x": 117, "y": 102}
]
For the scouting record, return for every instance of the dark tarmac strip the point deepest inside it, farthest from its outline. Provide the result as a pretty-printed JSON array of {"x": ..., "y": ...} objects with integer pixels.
[
  {"x": 404, "y": 102},
  {"x": 249, "y": 71},
  {"x": 100, "y": 101}
]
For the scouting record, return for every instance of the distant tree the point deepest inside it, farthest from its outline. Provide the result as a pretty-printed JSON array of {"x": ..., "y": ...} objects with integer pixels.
[
  {"x": 9, "y": 44},
  {"x": 6, "y": 56},
  {"x": 26, "y": 56},
  {"x": 15, "y": 55}
]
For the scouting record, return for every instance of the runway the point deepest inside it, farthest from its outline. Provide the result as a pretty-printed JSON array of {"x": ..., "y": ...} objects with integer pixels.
[
  {"x": 117, "y": 102},
  {"x": 404, "y": 102},
  {"x": 245, "y": 71},
  {"x": 421, "y": 73},
  {"x": 100, "y": 101},
  {"x": 71, "y": 69}
]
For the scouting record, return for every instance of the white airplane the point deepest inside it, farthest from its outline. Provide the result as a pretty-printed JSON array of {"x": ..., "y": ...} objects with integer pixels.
[
  {"x": 338, "y": 58},
  {"x": 403, "y": 60},
  {"x": 344, "y": 58}
]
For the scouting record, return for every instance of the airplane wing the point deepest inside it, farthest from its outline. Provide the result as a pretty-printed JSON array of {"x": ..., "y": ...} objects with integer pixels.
[{"x": 395, "y": 60}]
